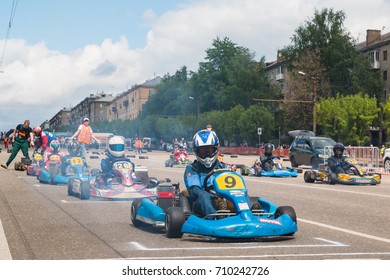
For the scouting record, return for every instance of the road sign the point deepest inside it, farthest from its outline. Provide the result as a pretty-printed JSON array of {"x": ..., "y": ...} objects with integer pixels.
[{"x": 259, "y": 131}]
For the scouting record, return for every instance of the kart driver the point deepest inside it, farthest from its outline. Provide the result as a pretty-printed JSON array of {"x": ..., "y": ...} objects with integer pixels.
[
  {"x": 53, "y": 150},
  {"x": 115, "y": 153},
  {"x": 205, "y": 145},
  {"x": 266, "y": 159},
  {"x": 337, "y": 163}
]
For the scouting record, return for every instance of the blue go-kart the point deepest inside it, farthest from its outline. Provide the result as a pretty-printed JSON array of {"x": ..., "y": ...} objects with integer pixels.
[
  {"x": 241, "y": 216},
  {"x": 58, "y": 172},
  {"x": 278, "y": 170}
]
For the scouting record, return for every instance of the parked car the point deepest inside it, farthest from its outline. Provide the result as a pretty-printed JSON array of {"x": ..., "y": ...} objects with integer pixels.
[
  {"x": 386, "y": 160},
  {"x": 309, "y": 150}
]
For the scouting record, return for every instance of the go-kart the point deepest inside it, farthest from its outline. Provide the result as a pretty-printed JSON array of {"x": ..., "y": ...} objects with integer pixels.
[
  {"x": 58, "y": 172},
  {"x": 354, "y": 176},
  {"x": 242, "y": 217},
  {"x": 278, "y": 170},
  {"x": 122, "y": 186},
  {"x": 179, "y": 159},
  {"x": 35, "y": 167}
]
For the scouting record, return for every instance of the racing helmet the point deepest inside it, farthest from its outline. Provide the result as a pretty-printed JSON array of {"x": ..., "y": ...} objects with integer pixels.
[
  {"x": 37, "y": 130},
  {"x": 116, "y": 146},
  {"x": 74, "y": 149},
  {"x": 205, "y": 145},
  {"x": 338, "y": 150},
  {"x": 268, "y": 148},
  {"x": 55, "y": 145}
]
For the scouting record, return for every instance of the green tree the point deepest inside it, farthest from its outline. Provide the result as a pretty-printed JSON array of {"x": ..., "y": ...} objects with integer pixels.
[
  {"x": 346, "y": 70},
  {"x": 346, "y": 118}
]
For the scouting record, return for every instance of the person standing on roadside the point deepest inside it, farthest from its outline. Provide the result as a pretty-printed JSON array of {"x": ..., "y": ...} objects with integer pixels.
[
  {"x": 84, "y": 135},
  {"x": 21, "y": 138}
]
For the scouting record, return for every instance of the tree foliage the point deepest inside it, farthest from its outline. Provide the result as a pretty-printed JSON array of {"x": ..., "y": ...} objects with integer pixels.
[{"x": 346, "y": 118}]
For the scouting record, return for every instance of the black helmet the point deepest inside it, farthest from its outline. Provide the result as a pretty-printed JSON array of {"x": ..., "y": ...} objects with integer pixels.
[
  {"x": 268, "y": 148},
  {"x": 338, "y": 150},
  {"x": 74, "y": 149}
]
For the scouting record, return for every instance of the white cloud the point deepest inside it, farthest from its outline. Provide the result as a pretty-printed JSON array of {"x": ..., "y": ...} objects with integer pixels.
[{"x": 37, "y": 82}]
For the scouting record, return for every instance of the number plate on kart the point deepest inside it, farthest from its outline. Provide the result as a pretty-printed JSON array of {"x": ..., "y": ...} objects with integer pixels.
[
  {"x": 122, "y": 165},
  {"x": 38, "y": 157},
  {"x": 76, "y": 161},
  {"x": 55, "y": 158},
  {"x": 229, "y": 182}
]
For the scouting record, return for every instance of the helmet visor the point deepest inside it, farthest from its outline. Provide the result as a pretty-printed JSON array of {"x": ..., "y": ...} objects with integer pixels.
[
  {"x": 206, "y": 151},
  {"x": 117, "y": 147}
]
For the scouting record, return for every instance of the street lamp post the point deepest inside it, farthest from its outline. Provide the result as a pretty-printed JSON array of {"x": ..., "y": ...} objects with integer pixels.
[
  {"x": 197, "y": 104},
  {"x": 315, "y": 79}
]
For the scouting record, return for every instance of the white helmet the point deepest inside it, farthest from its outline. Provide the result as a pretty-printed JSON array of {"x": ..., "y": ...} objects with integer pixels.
[
  {"x": 116, "y": 146},
  {"x": 206, "y": 144}
]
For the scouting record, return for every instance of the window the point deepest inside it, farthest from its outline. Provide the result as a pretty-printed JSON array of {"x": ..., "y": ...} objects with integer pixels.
[
  {"x": 385, "y": 75},
  {"x": 384, "y": 55}
]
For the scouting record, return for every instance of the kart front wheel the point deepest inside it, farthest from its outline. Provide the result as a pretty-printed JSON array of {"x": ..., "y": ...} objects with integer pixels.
[
  {"x": 134, "y": 212},
  {"x": 70, "y": 188},
  {"x": 174, "y": 220},
  {"x": 281, "y": 210}
]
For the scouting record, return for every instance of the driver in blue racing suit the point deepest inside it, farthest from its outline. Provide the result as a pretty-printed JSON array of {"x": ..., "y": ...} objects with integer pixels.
[
  {"x": 205, "y": 146},
  {"x": 115, "y": 153}
]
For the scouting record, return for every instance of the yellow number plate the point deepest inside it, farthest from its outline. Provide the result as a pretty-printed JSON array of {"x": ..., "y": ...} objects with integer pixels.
[
  {"x": 76, "y": 161},
  {"x": 122, "y": 165},
  {"x": 55, "y": 158},
  {"x": 230, "y": 182}
]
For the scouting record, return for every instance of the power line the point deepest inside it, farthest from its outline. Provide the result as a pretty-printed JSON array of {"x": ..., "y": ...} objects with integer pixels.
[{"x": 11, "y": 18}]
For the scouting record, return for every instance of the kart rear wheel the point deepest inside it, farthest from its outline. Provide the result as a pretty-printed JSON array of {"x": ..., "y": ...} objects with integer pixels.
[
  {"x": 174, "y": 220},
  {"x": 85, "y": 190},
  {"x": 134, "y": 212},
  {"x": 307, "y": 177},
  {"x": 331, "y": 178}
]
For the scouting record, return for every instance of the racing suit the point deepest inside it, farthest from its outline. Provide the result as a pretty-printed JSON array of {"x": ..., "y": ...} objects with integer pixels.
[
  {"x": 194, "y": 175},
  {"x": 267, "y": 162},
  {"x": 338, "y": 165}
]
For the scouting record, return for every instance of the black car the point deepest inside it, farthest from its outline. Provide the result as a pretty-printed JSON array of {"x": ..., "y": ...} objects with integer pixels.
[{"x": 310, "y": 150}]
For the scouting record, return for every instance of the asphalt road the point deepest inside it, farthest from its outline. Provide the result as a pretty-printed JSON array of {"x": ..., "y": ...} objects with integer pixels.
[{"x": 41, "y": 222}]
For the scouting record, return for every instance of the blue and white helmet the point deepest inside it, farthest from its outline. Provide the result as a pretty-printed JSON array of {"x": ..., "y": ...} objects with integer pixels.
[{"x": 206, "y": 144}]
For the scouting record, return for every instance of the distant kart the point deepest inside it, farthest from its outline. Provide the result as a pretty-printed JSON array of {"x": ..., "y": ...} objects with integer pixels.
[
  {"x": 354, "y": 176},
  {"x": 241, "y": 217},
  {"x": 278, "y": 170},
  {"x": 37, "y": 163},
  {"x": 122, "y": 186},
  {"x": 54, "y": 172},
  {"x": 180, "y": 160}
]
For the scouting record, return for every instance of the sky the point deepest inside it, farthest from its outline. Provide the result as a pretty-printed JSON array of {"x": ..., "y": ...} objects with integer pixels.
[{"x": 57, "y": 52}]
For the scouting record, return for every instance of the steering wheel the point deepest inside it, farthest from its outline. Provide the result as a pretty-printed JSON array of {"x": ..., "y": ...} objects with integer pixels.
[{"x": 212, "y": 172}]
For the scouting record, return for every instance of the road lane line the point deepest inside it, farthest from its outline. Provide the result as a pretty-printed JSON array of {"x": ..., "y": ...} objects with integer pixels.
[
  {"x": 345, "y": 230},
  {"x": 139, "y": 246},
  {"x": 385, "y": 254},
  {"x": 5, "y": 254}
]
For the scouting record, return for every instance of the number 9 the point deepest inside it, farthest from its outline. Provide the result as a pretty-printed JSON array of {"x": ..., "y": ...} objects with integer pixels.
[{"x": 230, "y": 182}]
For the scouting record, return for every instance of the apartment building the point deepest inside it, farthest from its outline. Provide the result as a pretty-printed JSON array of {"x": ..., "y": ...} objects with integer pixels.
[{"x": 128, "y": 105}]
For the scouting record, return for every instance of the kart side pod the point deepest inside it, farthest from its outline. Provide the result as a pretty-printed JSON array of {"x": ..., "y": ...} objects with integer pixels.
[{"x": 165, "y": 195}]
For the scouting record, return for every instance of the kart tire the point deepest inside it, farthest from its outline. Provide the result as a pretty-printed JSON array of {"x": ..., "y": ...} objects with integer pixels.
[
  {"x": 174, "y": 220},
  {"x": 281, "y": 210},
  {"x": 293, "y": 162},
  {"x": 307, "y": 177},
  {"x": 70, "y": 187},
  {"x": 85, "y": 190},
  {"x": 134, "y": 211},
  {"x": 331, "y": 179},
  {"x": 386, "y": 165},
  {"x": 167, "y": 163}
]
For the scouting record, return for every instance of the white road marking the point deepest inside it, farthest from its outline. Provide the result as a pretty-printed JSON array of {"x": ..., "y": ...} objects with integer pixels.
[
  {"x": 138, "y": 246},
  {"x": 5, "y": 253},
  {"x": 345, "y": 230},
  {"x": 385, "y": 254}
]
